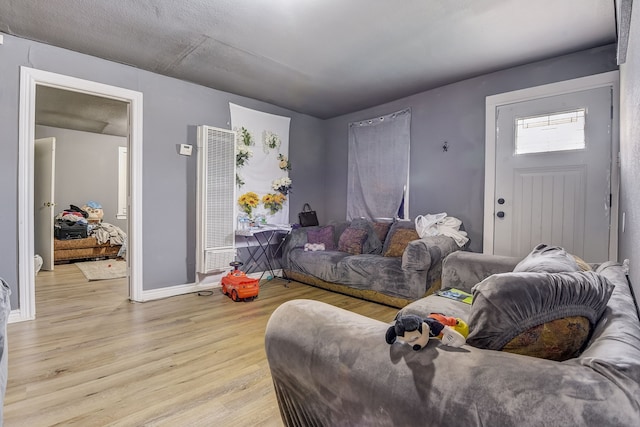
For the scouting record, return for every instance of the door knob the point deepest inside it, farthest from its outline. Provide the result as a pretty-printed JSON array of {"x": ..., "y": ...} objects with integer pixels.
[
  {"x": 500, "y": 214},
  {"x": 501, "y": 201},
  {"x": 49, "y": 204}
]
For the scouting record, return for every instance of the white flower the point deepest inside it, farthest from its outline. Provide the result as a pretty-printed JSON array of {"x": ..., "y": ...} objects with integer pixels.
[
  {"x": 243, "y": 150},
  {"x": 282, "y": 185}
]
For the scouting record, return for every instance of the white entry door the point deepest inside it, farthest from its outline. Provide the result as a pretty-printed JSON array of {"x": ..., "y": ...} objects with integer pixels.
[
  {"x": 553, "y": 168},
  {"x": 44, "y": 161}
]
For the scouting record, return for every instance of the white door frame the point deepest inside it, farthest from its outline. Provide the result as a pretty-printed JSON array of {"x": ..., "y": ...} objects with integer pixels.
[
  {"x": 29, "y": 79},
  {"x": 610, "y": 79}
]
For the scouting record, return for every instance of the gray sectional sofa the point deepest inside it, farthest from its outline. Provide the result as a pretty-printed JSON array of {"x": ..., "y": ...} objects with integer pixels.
[
  {"x": 412, "y": 273},
  {"x": 332, "y": 367}
]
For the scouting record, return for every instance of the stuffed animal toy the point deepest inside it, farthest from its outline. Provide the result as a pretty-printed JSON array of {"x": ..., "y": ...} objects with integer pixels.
[
  {"x": 314, "y": 247},
  {"x": 416, "y": 331},
  {"x": 94, "y": 210}
]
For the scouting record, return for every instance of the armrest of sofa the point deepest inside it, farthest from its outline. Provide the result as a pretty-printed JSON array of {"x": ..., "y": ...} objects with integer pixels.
[
  {"x": 422, "y": 253},
  {"x": 333, "y": 367},
  {"x": 463, "y": 270},
  {"x": 296, "y": 239}
]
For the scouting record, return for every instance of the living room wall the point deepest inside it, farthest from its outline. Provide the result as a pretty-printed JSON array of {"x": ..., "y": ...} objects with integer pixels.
[
  {"x": 630, "y": 153},
  {"x": 172, "y": 111},
  {"x": 452, "y": 181}
]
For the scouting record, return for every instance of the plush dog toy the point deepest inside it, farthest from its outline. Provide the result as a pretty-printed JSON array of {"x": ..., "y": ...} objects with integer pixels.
[{"x": 416, "y": 331}]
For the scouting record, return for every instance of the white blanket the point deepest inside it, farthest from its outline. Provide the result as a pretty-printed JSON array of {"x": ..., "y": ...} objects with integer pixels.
[{"x": 441, "y": 224}]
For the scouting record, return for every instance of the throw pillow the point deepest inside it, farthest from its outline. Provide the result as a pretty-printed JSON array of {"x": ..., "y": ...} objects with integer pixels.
[
  {"x": 381, "y": 229},
  {"x": 371, "y": 245},
  {"x": 509, "y": 304},
  {"x": 322, "y": 235},
  {"x": 559, "y": 339},
  {"x": 582, "y": 264},
  {"x": 351, "y": 240},
  {"x": 399, "y": 241},
  {"x": 398, "y": 225},
  {"x": 547, "y": 259}
]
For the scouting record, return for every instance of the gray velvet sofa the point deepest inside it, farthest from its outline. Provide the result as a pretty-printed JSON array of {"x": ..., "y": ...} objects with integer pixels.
[
  {"x": 332, "y": 367},
  {"x": 391, "y": 280}
]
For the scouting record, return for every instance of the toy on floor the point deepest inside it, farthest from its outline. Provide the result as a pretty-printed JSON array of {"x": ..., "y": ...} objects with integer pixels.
[
  {"x": 416, "y": 331},
  {"x": 238, "y": 286}
]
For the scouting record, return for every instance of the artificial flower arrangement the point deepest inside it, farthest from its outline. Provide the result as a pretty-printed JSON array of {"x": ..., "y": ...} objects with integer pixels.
[
  {"x": 245, "y": 137},
  {"x": 248, "y": 202},
  {"x": 284, "y": 163},
  {"x": 273, "y": 202},
  {"x": 242, "y": 155},
  {"x": 282, "y": 185},
  {"x": 270, "y": 140}
]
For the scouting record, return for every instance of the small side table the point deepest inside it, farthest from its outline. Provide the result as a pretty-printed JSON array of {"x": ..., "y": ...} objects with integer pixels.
[{"x": 265, "y": 236}]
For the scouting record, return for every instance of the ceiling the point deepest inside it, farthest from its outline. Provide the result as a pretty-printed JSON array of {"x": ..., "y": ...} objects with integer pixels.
[{"x": 322, "y": 58}]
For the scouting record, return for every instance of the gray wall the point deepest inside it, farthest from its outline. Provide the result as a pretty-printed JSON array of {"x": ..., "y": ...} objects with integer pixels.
[
  {"x": 452, "y": 181},
  {"x": 449, "y": 181},
  {"x": 172, "y": 110},
  {"x": 630, "y": 153},
  {"x": 86, "y": 169}
]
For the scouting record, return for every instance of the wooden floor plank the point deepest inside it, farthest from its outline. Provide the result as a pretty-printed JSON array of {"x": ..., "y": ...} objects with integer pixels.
[{"x": 92, "y": 358}]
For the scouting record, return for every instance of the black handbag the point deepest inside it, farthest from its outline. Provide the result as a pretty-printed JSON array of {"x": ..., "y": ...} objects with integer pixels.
[{"x": 307, "y": 217}]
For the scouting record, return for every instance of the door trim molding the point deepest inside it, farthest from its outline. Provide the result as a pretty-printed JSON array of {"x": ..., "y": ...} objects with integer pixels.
[
  {"x": 29, "y": 79},
  {"x": 610, "y": 79}
]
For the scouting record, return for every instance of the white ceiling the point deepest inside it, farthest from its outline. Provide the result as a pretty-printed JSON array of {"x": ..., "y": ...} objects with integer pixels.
[{"x": 320, "y": 57}]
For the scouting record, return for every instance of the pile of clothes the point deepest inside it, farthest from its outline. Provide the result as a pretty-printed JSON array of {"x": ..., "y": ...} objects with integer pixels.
[{"x": 78, "y": 223}]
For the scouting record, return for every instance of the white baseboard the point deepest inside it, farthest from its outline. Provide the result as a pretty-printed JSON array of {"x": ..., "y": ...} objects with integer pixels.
[
  {"x": 155, "y": 294},
  {"x": 173, "y": 291},
  {"x": 188, "y": 288},
  {"x": 16, "y": 316}
]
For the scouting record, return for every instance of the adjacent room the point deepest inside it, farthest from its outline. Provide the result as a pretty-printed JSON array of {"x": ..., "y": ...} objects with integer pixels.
[{"x": 335, "y": 213}]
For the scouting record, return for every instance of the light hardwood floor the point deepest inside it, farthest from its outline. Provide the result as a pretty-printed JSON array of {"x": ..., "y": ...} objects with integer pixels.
[{"x": 92, "y": 358}]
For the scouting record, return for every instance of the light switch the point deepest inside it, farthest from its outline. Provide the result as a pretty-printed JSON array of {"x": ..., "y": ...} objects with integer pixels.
[{"x": 185, "y": 149}]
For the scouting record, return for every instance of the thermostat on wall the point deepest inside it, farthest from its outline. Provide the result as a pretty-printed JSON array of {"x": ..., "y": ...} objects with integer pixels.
[{"x": 185, "y": 149}]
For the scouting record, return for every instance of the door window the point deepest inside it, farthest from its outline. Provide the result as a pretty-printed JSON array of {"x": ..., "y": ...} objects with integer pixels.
[{"x": 550, "y": 132}]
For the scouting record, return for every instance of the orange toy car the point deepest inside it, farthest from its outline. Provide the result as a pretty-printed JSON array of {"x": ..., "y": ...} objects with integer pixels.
[{"x": 238, "y": 286}]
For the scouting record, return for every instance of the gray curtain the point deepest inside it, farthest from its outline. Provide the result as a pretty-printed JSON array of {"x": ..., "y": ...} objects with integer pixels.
[{"x": 378, "y": 165}]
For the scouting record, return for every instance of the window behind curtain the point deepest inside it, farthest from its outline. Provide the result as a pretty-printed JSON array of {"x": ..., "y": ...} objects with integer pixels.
[{"x": 378, "y": 165}]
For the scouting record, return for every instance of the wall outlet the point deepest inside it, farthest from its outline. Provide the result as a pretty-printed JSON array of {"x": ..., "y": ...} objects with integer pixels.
[{"x": 185, "y": 149}]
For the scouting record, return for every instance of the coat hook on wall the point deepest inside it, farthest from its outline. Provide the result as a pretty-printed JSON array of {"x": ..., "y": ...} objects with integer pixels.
[{"x": 445, "y": 146}]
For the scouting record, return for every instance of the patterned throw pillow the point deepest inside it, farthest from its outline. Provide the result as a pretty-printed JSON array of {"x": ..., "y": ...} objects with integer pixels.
[
  {"x": 559, "y": 339},
  {"x": 582, "y": 265},
  {"x": 351, "y": 240},
  {"x": 322, "y": 235},
  {"x": 399, "y": 241},
  {"x": 381, "y": 229}
]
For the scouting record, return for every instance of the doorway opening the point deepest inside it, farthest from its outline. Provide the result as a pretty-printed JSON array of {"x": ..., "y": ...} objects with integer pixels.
[{"x": 30, "y": 81}]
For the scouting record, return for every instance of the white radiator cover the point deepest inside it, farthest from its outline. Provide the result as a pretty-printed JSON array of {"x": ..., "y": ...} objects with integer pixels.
[{"x": 216, "y": 199}]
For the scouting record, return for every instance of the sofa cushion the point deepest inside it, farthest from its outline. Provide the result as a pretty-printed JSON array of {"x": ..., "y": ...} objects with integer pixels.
[
  {"x": 351, "y": 240},
  {"x": 322, "y": 235},
  {"x": 322, "y": 264},
  {"x": 399, "y": 240},
  {"x": 381, "y": 229},
  {"x": 397, "y": 225},
  {"x": 506, "y": 305},
  {"x": 372, "y": 244},
  {"x": 559, "y": 339},
  {"x": 547, "y": 259}
]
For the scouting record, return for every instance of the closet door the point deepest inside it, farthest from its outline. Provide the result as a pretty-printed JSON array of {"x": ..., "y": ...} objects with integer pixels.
[{"x": 216, "y": 199}]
